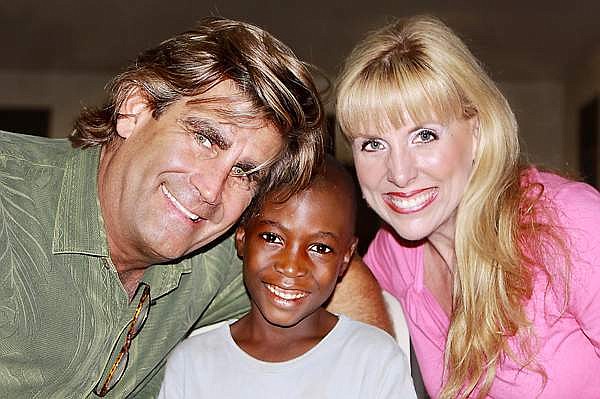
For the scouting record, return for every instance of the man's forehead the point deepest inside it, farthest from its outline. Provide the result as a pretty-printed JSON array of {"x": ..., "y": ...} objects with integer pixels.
[
  {"x": 225, "y": 111},
  {"x": 227, "y": 103}
]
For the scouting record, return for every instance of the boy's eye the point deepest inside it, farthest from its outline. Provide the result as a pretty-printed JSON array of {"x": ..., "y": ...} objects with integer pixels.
[
  {"x": 271, "y": 238},
  {"x": 321, "y": 248},
  {"x": 372, "y": 145},
  {"x": 425, "y": 136}
]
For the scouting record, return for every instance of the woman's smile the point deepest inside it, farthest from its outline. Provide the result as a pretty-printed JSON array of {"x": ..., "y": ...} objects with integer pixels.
[{"x": 410, "y": 202}]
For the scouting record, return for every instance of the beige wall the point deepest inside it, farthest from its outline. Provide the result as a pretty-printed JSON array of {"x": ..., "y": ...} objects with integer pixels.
[
  {"x": 62, "y": 93},
  {"x": 540, "y": 111},
  {"x": 583, "y": 85}
]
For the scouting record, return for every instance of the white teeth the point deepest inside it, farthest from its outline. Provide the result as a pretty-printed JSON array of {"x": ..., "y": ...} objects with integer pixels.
[
  {"x": 192, "y": 216},
  {"x": 285, "y": 294},
  {"x": 413, "y": 202}
]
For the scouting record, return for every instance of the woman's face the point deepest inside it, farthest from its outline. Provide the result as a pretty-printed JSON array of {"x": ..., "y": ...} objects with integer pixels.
[{"x": 414, "y": 176}]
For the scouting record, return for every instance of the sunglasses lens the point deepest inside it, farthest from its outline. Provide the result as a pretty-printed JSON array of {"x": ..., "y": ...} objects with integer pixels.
[
  {"x": 141, "y": 318},
  {"x": 119, "y": 371},
  {"x": 118, "y": 367},
  {"x": 107, "y": 384}
]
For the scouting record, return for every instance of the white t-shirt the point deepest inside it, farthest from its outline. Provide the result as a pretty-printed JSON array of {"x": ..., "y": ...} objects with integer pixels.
[{"x": 354, "y": 360}]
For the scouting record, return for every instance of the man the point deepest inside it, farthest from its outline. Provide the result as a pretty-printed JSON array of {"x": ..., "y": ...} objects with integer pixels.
[{"x": 110, "y": 251}]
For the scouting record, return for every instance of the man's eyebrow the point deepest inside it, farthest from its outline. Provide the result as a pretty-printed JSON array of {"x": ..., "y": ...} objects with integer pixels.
[
  {"x": 248, "y": 167},
  {"x": 206, "y": 127}
]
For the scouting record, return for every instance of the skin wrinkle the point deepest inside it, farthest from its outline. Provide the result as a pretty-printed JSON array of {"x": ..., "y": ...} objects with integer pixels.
[{"x": 197, "y": 183}]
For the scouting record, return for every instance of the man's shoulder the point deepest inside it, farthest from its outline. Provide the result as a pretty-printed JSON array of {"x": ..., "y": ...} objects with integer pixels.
[
  {"x": 218, "y": 251},
  {"x": 33, "y": 150}
]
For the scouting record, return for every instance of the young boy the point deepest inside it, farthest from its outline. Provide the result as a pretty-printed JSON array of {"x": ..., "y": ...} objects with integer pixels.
[{"x": 288, "y": 345}]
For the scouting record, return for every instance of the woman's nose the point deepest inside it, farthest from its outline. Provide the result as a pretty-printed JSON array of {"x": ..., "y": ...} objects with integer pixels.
[{"x": 401, "y": 167}]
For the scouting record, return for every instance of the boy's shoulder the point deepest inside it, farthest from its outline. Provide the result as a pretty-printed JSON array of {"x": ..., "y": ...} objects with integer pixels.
[
  {"x": 207, "y": 339},
  {"x": 355, "y": 338},
  {"x": 372, "y": 336}
]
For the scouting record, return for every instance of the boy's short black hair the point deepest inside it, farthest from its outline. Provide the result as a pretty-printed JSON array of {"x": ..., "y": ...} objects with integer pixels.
[{"x": 331, "y": 174}]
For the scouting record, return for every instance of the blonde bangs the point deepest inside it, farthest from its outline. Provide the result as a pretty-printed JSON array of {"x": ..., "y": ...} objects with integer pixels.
[{"x": 391, "y": 95}]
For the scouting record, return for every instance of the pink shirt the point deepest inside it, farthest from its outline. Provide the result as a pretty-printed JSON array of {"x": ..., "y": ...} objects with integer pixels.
[{"x": 569, "y": 345}]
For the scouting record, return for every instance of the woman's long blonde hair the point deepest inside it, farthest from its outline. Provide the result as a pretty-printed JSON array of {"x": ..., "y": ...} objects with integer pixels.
[{"x": 420, "y": 68}]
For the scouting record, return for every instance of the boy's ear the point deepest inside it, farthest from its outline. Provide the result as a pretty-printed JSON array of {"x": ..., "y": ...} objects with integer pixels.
[
  {"x": 348, "y": 257},
  {"x": 132, "y": 112},
  {"x": 240, "y": 239}
]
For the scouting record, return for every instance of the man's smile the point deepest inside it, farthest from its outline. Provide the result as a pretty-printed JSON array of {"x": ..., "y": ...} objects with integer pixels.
[{"x": 189, "y": 214}]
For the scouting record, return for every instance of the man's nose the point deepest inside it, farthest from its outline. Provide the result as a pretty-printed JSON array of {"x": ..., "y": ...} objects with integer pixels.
[
  {"x": 210, "y": 181},
  {"x": 401, "y": 167}
]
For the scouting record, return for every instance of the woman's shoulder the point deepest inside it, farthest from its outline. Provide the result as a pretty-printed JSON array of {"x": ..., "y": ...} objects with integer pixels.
[
  {"x": 560, "y": 189},
  {"x": 573, "y": 203}
]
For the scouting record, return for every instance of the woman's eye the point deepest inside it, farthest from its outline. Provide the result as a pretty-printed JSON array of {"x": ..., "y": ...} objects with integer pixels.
[
  {"x": 271, "y": 238},
  {"x": 321, "y": 248},
  {"x": 425, "y": 136},
  {"x": 372, "y": 145},
  {"x": 203, "y": 140}
]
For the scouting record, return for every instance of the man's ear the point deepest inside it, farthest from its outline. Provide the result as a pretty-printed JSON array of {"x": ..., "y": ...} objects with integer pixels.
[
  {"x": 348, "y": 257},
  {"x": 240, "y": 239},
  {"x": 132, "y": 112}
]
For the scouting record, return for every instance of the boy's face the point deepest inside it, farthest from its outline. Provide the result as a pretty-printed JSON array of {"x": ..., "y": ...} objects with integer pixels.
[{"x": 294, "y": 253}]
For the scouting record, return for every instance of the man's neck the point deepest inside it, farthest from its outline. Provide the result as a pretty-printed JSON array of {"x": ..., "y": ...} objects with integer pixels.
[{"x": 130, "y": 281}]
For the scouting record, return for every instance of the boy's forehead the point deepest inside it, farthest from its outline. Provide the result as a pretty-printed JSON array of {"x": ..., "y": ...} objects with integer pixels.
[{"x": 323, "y": 199}]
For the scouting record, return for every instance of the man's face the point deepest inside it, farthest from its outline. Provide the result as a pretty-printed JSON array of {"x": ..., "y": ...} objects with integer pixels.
[{"x": 177, "y": 183}]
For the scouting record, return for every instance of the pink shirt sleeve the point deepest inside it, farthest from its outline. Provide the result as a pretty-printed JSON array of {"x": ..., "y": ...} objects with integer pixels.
[{"x": 578, "y": 210}]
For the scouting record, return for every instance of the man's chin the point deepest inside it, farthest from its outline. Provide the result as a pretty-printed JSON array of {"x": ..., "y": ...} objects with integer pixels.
[{"x": 178, "y": 249}]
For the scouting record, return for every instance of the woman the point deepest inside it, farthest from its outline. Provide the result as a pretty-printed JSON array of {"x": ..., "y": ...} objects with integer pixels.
[{"x": 496, "y": 264}]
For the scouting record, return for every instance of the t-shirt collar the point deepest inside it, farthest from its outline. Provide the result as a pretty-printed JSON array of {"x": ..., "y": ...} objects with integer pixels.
[{"x": 79, "y": 226}]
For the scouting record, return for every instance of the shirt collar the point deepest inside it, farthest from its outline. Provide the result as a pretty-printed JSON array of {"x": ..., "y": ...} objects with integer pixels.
[{"x": 79, "y": 227}]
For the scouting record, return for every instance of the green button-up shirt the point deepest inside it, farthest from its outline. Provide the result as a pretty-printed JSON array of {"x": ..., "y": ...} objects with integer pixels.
[{"x": 62, "y": 306}]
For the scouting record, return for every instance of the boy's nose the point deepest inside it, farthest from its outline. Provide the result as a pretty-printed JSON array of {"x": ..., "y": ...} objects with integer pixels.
[{"x": 293, "y": 267}]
